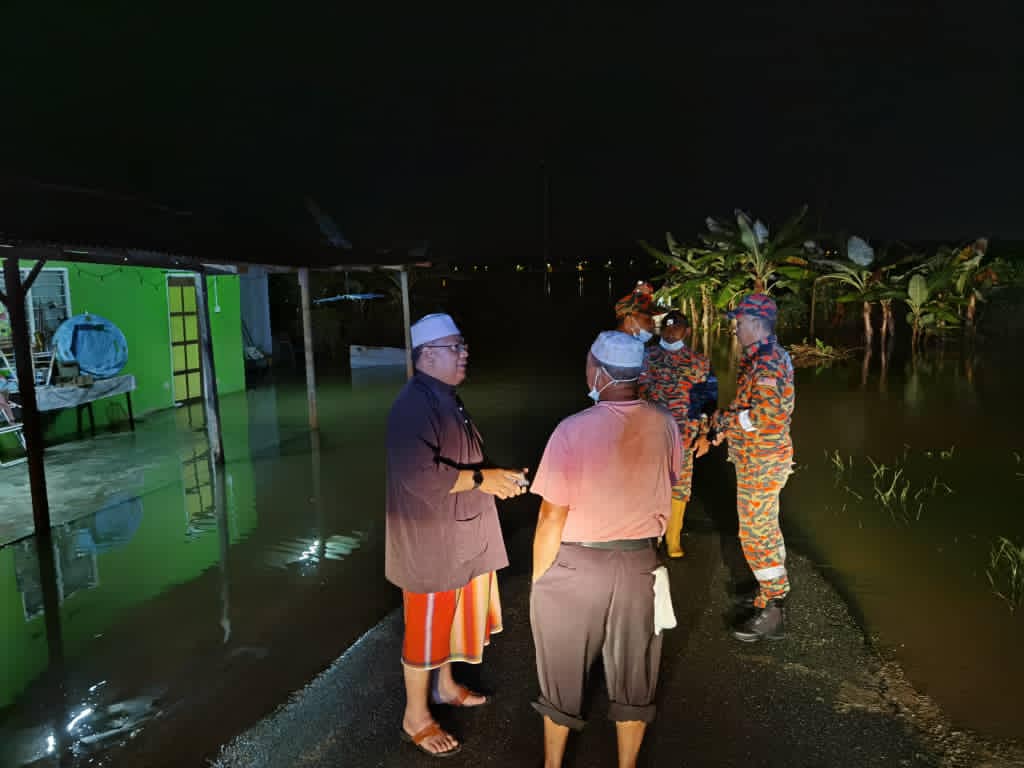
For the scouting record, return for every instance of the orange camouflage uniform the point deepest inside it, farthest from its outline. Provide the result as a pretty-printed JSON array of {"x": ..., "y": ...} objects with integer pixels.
[
  {"x": 680, "y": 382},
  {"x": 756, "y": 424}
]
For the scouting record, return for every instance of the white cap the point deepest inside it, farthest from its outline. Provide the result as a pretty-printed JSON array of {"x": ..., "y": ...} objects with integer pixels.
[
  {"x": 618, "y": 349},
  {"x": 431, "y": 328}
]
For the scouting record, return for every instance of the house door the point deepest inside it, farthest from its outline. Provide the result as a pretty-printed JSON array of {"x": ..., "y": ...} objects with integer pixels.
[{"x": 185, "y": 366}]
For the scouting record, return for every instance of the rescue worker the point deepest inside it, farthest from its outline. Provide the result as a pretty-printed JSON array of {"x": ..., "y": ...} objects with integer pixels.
[
  {"x": 756, "y": 424},
  {"x": 680, "y": 380},
  {"x": 635, "y": 312}
]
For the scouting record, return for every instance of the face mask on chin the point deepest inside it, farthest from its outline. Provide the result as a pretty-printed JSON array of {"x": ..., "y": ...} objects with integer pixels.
[{"x": 671, "y": 346}]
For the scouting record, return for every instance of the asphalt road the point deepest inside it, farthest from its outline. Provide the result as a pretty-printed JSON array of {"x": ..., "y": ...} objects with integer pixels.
[{"x": 822, "y": 697}]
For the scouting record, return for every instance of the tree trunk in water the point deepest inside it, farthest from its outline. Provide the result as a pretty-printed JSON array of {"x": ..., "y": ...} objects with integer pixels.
[
  {"x": 814, "y": 297},
  {"x": 694, "y": 317},
  {"x": 869, "y": 328},
  {"x": 883, "y": 379},
  {"x": 705, "y": 298},
  {"x": 839, "y": 316},
  {"x": 972, "y": 313},
  {"x": 885, "y": 304},
  {"x": 865, "y": 367}
]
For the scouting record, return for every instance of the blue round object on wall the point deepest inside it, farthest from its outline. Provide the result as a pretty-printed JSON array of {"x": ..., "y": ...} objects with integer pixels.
[{"x": 95, "y": 343}]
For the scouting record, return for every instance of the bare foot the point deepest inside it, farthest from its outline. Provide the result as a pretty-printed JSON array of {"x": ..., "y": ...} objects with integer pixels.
[{"x": 441, "y": 741}]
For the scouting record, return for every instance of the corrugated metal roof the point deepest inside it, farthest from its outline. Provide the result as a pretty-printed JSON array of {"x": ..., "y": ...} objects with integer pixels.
[{"x": 78, "y": 224}]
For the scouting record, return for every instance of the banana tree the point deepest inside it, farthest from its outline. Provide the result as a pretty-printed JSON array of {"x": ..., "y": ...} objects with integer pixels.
[
  {"x": 761, "y": 256},
  {"x": 685, "y": 280},
  {"x": 859, "y": 285},
  {"x": 929, "y": 311},
  {"x": 694, "y": 277},
  {"x": 973, "y": 280}
]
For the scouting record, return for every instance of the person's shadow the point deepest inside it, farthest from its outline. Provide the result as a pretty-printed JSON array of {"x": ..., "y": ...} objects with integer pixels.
[{"x": 714, "y": 488}]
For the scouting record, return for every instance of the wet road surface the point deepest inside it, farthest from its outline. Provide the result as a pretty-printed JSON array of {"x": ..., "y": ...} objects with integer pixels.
[{"x": 820, "y": 698}]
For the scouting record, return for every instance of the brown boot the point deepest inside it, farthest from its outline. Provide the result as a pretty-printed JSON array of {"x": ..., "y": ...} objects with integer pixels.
[{"x": 674, "y": 529}]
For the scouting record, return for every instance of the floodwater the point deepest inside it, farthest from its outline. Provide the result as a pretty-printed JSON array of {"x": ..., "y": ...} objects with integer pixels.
[{"x": 193, "y": 601}]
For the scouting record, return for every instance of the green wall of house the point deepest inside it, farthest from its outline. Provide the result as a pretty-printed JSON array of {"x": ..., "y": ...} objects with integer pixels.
[{"x": 135, "y": 300}]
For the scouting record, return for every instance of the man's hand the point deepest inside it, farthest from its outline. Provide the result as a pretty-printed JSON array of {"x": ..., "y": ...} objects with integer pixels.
[
  {"x": 701, "y": 446},
  {"x": 548, "y": 538},
  {"x": 719, "y": 439},
  {"x": 504, "y": 483}
]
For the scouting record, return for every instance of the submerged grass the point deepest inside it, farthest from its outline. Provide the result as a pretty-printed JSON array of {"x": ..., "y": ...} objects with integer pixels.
[
  {"x": 1006, "y": 572},
  {"x": 892, "y": 488}
]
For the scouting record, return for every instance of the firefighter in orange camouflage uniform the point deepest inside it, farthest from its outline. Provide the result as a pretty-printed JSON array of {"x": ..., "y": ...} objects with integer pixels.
[
  {"x": 682, "y": 381},
  {"x": 756, "y": 424}
]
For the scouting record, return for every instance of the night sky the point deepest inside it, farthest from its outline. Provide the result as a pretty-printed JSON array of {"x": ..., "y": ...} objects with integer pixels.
[{"x": 891, "y": 119}]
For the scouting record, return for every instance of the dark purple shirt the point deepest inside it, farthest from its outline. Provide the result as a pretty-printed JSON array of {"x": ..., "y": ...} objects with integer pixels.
[{"x": 436, "y": 540}]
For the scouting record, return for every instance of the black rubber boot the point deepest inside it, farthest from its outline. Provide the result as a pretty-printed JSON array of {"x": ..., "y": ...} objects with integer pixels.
[{"x": 765, "y": 624}]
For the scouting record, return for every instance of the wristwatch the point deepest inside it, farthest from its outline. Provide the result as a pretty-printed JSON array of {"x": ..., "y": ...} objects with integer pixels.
[{"x": 478, "y": 478}]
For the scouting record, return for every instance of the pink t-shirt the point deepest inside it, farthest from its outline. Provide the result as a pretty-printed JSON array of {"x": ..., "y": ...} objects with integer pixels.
[{"x": 613, "y": 465}]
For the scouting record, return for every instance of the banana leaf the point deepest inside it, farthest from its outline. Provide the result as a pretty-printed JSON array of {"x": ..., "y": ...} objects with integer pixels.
[{"x": 918, "y": 290}]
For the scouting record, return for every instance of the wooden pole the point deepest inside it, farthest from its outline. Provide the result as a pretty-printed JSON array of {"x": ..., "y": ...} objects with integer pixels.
[
  {"x": 318, "y": 501},
  {"x": 211, "y": 402},
  {"x": 218, "y": 478},
  {"x": 403, "y": 277},
  {"x": 32, "y": 431},
  {"x": 307, "y": 343}
]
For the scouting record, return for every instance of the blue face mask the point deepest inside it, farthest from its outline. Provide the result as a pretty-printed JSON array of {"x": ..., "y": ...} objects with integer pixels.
[
  {"x": 643, "y": 336},
  {"x": 671, "y": 346}
]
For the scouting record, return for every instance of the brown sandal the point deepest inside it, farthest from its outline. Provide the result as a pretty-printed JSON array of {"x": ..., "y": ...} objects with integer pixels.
[
  {"x": 430, "y": 731},
  {"x": 460, "y": 698}
]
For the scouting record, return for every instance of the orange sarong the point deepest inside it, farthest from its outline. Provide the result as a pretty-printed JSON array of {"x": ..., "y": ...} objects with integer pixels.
[{"x": 451, "y": 626}]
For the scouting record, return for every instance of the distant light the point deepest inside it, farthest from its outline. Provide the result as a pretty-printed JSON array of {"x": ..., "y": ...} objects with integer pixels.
[{"x": 51, "y": 744}]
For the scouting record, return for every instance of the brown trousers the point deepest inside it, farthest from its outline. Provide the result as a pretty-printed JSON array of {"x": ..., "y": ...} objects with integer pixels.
[{"x": 594, "y": 601}]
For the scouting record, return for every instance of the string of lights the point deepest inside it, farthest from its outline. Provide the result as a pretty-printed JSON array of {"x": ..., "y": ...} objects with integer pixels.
[{"x": 156, "y": 285}]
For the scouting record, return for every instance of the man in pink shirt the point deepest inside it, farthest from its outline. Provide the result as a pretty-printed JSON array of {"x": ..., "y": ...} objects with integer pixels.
[{"x": 606, "y": 479}]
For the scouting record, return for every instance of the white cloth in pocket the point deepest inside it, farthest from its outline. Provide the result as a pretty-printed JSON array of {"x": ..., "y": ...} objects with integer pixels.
[{"x": 664, "y": 615}]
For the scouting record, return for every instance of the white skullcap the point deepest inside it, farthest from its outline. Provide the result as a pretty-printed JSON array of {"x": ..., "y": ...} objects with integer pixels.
[
  {"x": 431, "y": 328},
  {"x": 618, "y": 349}
]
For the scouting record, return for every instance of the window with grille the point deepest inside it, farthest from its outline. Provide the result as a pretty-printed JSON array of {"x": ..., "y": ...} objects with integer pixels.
[{"x": 48, "y": 304}]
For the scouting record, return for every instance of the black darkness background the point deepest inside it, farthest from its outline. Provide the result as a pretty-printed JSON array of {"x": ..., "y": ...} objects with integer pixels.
[{"x": 411, "y": 122}]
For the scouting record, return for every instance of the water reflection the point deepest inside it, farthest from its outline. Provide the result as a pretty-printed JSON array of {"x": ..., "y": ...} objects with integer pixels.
[
  {"x": 186, "y": 584},
  {"x": 76, "y": 568}
]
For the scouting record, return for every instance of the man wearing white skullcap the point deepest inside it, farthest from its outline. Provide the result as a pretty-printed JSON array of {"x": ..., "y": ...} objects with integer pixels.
[
  {"x": 443, "y": 542},
  {"x": 606, "y": 480}
]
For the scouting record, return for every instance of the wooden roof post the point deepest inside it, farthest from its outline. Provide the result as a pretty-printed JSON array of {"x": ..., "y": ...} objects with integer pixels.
[
  {"x": 211, "y": 401},
  {"x": 32, "y": 431},
  {"x": 218, "y": 477},
  {"x": 307, "y": 339},
  {"x": 403, "y": 277}
]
